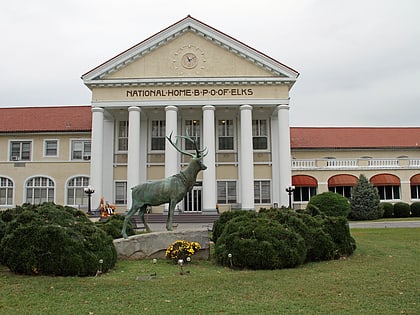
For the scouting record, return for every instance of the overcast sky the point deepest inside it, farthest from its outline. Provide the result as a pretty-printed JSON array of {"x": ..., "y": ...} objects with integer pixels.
[{"x": 359, "y": 61}]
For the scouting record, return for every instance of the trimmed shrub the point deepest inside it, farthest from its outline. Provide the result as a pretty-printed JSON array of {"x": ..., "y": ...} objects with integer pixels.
[
  {"x": 331, "y": 204},
  {"x": 259, "y": 243},
  {"x": 225, "y": 217},
  {"x": 113, "y": 226},
  {"x": 401, "y": 210},
  {"x": 257, "y": 238},
  {"x": 338, "y": 228},
  {"x": 364, "y": 201},
  {"x": 388, "y": 209},
  {"x": 415, "y": 209},
  {"x": 54, "y": 240}
]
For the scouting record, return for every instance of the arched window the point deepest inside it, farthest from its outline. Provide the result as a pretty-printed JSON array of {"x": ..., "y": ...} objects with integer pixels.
[
  {"x": 76, "y": 196},
  {"x": 6, "y": 192},
  {"x": 305, "y": 187},
  {"x": 342, "y": 184},
  {"x": 39, "y": 189},
  {"x": 415, "y": 186},
  {"x": 388, "y": 186}
]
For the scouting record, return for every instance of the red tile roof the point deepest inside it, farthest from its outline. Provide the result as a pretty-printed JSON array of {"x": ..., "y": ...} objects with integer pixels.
[
  {"x": 354, "y": 137},
  {"x": 79, "y": 118},
  {"x": 44, "y": 119}
]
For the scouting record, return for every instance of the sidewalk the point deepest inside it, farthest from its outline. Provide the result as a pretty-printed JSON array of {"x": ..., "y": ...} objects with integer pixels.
[{"x": 385, "y": 224}]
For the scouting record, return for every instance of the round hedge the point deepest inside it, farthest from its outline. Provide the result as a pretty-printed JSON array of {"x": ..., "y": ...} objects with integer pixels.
[
  {"x": 388, "y": 209},
  {"x": 415, "y": 209},
  {"x": 225, "y": 217},
  {"x": 401, "y": 210},
  {"x": 259, "y": 243},
  {"x": 54, "y": 240},
  {"x": 279, "y": 238},
  {"x": 331, "y": 204}
]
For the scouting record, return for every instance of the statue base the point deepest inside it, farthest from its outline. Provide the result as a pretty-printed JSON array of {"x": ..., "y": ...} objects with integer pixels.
[{"x": 154, "y": 244}]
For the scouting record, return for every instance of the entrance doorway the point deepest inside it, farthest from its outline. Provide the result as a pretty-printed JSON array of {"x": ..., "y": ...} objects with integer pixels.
[{"x": 192, "y": 201}]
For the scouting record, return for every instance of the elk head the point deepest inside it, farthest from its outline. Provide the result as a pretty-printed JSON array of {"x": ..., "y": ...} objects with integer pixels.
[{"x": 199, "y": 153}]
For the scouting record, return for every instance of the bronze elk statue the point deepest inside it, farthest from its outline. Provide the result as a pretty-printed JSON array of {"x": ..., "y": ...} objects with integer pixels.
[{"x": 169, "y": 190}]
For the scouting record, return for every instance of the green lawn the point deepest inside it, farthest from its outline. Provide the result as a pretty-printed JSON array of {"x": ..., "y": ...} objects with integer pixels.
[{"x": 382, "y": 277}]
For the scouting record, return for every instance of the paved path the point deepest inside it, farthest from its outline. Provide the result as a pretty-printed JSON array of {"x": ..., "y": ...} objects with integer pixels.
[{"x": 385, "y": 224}]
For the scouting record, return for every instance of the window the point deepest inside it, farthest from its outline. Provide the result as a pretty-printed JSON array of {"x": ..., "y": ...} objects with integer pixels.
[
  {"x": 80, "y": 150},
  {"x": 123, "y": 135},
  {"x": 415, "y": 191},
  {"x": 226, "y": 192},
  {"x": 20, "y": 150},
  {"x": 303, "y": 194},
  {"x": 39, "y": 190},
  {"x": 193, "y": 127},
  {"x": 388, "y": 192},
  {"x": 6, "y": 191},
  {"x": 259, "y": 135},
  {"x": 262, "y": 190},
  {"x": 158, "y": 135},
  {"x": 345, "y": 191},
  {"x": 225, "y": 135},
  {"x": 121, "y": 193},
  {"x": 51, "y": 148},
  {"x": 76, "y": 195}
]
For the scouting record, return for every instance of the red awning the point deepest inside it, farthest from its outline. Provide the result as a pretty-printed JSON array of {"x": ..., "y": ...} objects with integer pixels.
[
  {"x": 415, "y": 180},
  {"x": 385, "y": 180},
  {"x": 304, "y": 181},
  {"x": 342, "y": 180}
]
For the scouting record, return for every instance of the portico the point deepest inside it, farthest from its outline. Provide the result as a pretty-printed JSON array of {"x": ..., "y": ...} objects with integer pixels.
[{"x": 234, "y": 99}]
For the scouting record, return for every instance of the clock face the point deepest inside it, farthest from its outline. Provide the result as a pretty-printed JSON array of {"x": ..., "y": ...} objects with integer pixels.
[{"x": 189, "y": 60}]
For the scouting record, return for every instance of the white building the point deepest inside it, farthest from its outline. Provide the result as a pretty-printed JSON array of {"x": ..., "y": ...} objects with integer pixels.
[
  {"x": 233, "y": 98},
  {"x": 192, "y": 77}
]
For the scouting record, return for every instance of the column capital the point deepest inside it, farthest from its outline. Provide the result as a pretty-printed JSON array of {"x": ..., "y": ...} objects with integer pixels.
[
  {"x": 134, "y": 108},
  {"x": 283, "y": 107},
  {"x": 245, "y": 107},
  {"x": 171, "y": 108},
  {"x": 97, "y": 110},
  {"x": 208, "y": 107}
]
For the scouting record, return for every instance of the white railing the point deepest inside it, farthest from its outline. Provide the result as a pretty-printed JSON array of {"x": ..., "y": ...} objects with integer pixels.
[
  {"x": 337, "y": 163},
  {"x": 383, "y": 163},
  {"x": 414, "y": 163},
  {"x": 303, "y": 164}
]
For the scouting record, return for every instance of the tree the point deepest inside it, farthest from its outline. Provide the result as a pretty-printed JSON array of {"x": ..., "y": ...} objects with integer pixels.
[{"x": 364, "y": 201}]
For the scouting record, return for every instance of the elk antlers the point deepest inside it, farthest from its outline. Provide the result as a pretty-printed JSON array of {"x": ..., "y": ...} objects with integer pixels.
[{"x": 200, "y": 153}]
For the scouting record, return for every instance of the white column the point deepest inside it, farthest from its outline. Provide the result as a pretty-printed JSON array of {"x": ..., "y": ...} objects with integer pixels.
[
  {"x": 133, "y": 165},
  {"x": 246, "y": 159},
  {"x": 285, "y": 167},
  {"x": 209, "y": 175},
  {"x": 96, "y": 163},
  {"x": 171, "y": 155}
]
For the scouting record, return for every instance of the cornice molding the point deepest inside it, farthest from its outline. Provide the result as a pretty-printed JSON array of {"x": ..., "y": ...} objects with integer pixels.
[{"x": 190, "y": 82}]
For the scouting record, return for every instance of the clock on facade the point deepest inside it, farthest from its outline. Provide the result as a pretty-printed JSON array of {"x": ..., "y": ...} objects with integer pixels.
[{"x": 189, "y": 59}]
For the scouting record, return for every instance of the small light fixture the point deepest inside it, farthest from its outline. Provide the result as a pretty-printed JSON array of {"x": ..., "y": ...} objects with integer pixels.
[
  {"x": 181, "y": 266},
  {"x": 89, "y": 190},
  {"x": 290, "y": 191},
  {"x": 230, "y": 259},
  {"x": 100, "y": 268}
]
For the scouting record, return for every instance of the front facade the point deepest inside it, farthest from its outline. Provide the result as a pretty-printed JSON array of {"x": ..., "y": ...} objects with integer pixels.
[{"x": 192, "y": 79}]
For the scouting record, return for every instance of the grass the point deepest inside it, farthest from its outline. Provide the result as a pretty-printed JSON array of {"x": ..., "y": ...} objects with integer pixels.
[{"x": 381, "y": 277}]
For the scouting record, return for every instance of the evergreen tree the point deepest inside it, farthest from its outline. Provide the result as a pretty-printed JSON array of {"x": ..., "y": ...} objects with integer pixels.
[{"x": 364, "y": 201}]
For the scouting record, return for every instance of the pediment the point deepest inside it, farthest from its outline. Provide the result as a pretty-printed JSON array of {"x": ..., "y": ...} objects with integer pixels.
[{"x": 189, "y": 50}]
